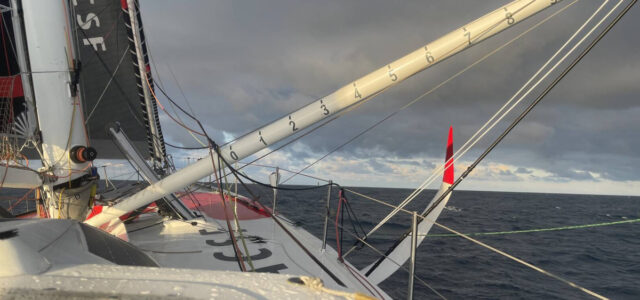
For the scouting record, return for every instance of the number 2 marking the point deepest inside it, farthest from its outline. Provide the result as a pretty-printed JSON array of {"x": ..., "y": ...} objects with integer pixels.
[{"x": 293, "y": 124}]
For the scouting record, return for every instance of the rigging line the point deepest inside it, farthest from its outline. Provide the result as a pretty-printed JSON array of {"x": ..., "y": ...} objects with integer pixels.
[
  {"x": 277, "y": 221},
  {"x": 308, "y": 131},
  {"x": 161, "y": 86},
  {"x": 113, "y": 75},
  {"x": 436, "y": 87},
  {"x": 482, "y": 131},
  {"x": 401, "y": 266},
  {"x": 167, "y": 113},
  {"x": 532, "y": 105},
  {"x": 357, "y": 276},
  {"x": 287, "y": 170},
  {"x": 518, "y": 260},
  {"x": 544, "y": 93},
  {"x": 456, "y": 233},
  {"x": 237, "y": 222},
  {"x": 537, "y": 229},
  {"x": 239, "y": 256},
  {"x": 317, "y": 127},
  {"x": 277, "y": 187},
  {"x": 13, "y": 49},
  {"x": 180, "y": 108},
  {"x": 132, "y": 110},
  {"x": 179, "y": 118},
  {"x": 186, "y": 100},
  {"x": 569, "y": 227},
  {"x": 500, "y": 114}
]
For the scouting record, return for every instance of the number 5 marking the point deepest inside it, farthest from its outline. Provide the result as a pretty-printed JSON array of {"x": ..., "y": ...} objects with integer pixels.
[{"x": 393, "y": 76}]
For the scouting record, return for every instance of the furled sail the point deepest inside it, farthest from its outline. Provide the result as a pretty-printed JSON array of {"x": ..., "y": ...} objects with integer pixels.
[{"x": 111, "y": 86}]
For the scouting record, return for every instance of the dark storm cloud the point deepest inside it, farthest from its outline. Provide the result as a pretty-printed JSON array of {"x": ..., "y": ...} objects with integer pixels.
[{"x": 243, "y": 64}]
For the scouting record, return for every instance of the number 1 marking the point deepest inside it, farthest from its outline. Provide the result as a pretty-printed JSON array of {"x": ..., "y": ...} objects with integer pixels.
[
  {"x": 468, "y": 35},
  {"x": 357, "y": 94},
  {"x": 261, "y": 138}
]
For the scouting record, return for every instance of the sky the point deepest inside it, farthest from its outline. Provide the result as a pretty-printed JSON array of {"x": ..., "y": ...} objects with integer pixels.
[{"x": 239, "y": 65}]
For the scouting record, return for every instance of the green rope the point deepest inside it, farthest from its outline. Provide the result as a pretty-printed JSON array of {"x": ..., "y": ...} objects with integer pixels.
[{"x": 537, "y": 230}]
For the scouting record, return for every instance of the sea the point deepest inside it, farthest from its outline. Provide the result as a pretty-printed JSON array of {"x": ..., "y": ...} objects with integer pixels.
[{"x": 602, "y": 258}]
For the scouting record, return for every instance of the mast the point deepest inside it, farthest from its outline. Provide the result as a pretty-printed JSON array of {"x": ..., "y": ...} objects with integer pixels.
[
  {"x": 23, "y": 63},
  {"x": 53, "y": 69},
  {"x": 352, "y": 93},
  {"x": 156, "y": 146}
]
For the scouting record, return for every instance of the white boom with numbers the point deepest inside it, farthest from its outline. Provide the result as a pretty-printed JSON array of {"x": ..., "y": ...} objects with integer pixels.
[{"x": 352, "y": 93}]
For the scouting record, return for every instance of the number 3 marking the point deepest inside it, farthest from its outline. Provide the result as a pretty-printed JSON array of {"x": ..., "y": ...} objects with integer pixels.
[{"x": 325, "y": 111}]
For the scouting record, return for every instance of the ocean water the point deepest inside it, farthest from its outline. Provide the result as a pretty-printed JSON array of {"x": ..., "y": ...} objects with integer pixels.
[{"x": 604, "y": 259}]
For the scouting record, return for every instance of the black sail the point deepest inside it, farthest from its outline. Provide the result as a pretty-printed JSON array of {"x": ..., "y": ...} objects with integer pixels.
[{"x": 110, "y": 85}]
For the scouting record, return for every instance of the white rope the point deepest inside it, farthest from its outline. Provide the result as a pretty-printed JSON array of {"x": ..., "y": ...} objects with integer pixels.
[
  {"x": 390, "y": 259},
  {"x": 496, "y": 250},
  {"x": 501, "y": 113},
  {"x": 518, "y": 260},
  {"x": 113, "y": 75}
]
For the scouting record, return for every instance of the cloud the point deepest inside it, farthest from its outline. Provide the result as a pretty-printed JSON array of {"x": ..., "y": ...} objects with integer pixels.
[{"x": 243, "y": 64}]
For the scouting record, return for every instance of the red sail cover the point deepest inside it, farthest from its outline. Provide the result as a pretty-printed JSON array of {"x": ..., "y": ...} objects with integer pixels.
[{"x": 109, "y": 81}]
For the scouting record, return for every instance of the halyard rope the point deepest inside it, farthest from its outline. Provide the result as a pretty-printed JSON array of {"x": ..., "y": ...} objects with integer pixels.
[
  {"x": 560, "y": 228},
  {"x": 540, "y": 229}
]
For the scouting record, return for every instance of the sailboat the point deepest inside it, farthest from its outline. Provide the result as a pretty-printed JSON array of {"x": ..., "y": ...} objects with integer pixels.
[{"x": 79, "y": 86}]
